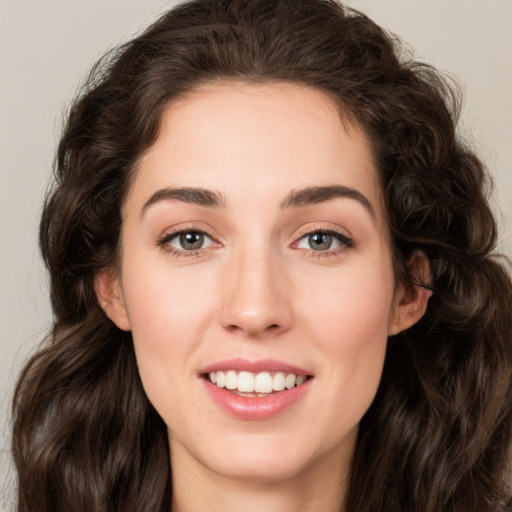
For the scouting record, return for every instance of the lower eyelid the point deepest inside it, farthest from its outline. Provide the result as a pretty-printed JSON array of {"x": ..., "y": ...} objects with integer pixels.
[{"x": 170, "y": 235}]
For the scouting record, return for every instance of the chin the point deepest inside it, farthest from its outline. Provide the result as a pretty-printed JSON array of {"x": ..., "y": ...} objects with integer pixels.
[
  {"x": 264, "y": 459},
  {"x": 261, "y": 469}
]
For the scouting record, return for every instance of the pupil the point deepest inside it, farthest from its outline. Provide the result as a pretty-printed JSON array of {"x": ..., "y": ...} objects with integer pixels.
[
  {"x": 320, "y": 241},
  {"x": 191, "y": 240}
]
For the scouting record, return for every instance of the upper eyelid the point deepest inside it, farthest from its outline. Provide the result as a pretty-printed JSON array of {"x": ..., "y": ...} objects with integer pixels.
[
  {"x": 173, "y": 233},
  {"x": 316, "y": 227},
  {"x": 176, "y": 230}
]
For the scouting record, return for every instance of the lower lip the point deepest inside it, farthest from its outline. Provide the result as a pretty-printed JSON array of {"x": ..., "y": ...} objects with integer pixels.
[{"x": 256, "y": 408}]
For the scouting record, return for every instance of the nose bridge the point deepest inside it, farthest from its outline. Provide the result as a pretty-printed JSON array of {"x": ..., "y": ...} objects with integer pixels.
[{"x": 254, "y": 298}]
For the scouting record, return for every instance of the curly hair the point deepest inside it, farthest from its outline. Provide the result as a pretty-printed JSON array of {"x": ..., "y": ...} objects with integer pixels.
[{"x": 436, "y": 436}]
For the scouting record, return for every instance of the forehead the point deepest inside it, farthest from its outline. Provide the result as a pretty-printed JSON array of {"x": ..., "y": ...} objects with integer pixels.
[{"x": 254, "y": 139}]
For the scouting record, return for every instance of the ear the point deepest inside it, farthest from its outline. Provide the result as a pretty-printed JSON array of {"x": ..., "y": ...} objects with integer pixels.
[
  {"x": 410, "y": 301},
  {"x": 107, "y": 286}
]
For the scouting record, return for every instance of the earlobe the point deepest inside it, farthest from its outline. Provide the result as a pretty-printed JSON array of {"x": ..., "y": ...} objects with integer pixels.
[
  {"x": 411, "y": 301},
  {"x": 108, "y": 290}
]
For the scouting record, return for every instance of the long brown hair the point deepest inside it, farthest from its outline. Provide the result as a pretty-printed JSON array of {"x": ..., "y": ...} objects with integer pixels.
[{"x": 436, "y": 437}]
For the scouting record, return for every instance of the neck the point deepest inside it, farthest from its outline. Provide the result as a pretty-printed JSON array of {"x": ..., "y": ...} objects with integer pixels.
[{"x": 321, "y": 486}]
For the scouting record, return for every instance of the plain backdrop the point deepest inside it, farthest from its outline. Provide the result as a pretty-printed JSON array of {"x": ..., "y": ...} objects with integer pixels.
[{"x": 46, "y": 48}]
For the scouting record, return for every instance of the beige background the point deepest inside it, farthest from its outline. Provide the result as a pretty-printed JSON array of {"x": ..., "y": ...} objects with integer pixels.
[{"x": 47, "y": 46}]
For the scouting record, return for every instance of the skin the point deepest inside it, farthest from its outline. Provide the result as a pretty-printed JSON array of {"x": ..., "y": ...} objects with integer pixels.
[{"x": 257, "y": 290}]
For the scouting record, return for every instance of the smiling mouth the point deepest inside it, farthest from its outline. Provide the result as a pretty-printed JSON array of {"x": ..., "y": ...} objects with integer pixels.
[{"x": 250, "y": 384}]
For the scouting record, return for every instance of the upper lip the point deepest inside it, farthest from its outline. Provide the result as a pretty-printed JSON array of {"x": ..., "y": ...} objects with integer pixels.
[{"x": 255, "y": 366}]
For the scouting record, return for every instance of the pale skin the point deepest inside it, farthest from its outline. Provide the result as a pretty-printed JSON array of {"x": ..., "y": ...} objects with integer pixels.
[{"x": 230, "y": 163}]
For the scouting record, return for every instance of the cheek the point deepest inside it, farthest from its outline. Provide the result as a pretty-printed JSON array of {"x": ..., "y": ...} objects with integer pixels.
[
  {"x": 351, "y": 328},
  {"x": 168, "y": 310},
  {"x": 165, "y": 303},
  {"x": 354, "y": 307}
]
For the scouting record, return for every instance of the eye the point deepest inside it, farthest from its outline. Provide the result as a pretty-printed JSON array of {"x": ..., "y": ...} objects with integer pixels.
[
  {"x": 324, "y": 240},
  {"x": 187, "y": 241}
]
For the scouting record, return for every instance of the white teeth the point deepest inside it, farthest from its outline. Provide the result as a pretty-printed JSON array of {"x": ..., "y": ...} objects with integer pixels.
[
  {"x": 279, "y": 381},
  {"x": 231, "y": 380},
  {"x": 261, "y": 383},
  {"x": 246, "y": 382},
  {"x": 290, "y": 381},
  {"x": 221, "y": 379}
]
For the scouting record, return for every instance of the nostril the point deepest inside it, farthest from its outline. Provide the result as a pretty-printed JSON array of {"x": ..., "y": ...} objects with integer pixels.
[{"x": 234, "y": 327}]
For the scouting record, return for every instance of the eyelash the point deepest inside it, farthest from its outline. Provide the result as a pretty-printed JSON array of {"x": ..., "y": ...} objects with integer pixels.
[
  {"x": 164, "y": 242},
  {"x": 345, "y": 241}
]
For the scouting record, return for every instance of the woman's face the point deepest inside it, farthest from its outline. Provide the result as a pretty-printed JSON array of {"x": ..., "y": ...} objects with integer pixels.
[{"x": 254, "y": 249}]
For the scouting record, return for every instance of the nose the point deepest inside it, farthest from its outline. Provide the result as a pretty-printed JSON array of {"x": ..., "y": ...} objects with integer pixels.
[{"x": 255, "y": 296}]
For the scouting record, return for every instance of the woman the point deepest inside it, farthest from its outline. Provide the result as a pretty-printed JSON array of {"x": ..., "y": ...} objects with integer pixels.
[{"x": 272, "y": 280}]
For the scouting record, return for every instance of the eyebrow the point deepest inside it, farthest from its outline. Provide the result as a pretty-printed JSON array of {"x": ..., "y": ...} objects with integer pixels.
[
  {"x": 315, "y": 195},
  {"x": 193, "y": 195},
  {"x": 295, "y": 199}
]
